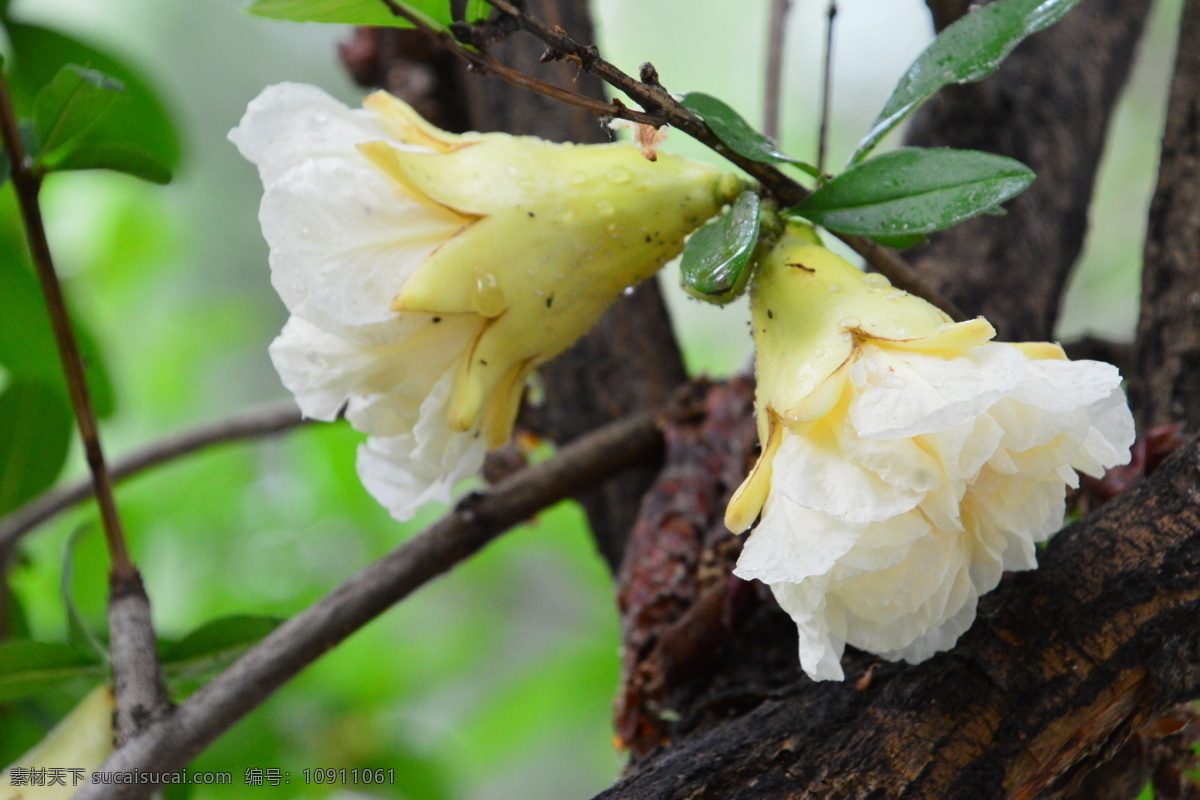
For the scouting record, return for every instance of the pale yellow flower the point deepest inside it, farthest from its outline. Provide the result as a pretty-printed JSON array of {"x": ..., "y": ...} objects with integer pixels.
[
  {"x": 429, "y": 273},
  {"x": 907, "y": 460}
]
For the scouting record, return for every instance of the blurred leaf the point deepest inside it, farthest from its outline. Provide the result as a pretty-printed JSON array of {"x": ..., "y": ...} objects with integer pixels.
[
  {"x": 901, "y": 242},
  {"x": 139, "y": 139},
  {"x": 477, "y": 10},
  {"x": 714, "y": 261},
  {"x": 68, "y": 107},
  {"x": 914, "y": 190},
  {"x": 5, "y": 168},
  {"x": 27, "y": 347},
  {"x": 35, "y": 434},
  {"x": 214, "y": 645},
  {"x": 737, "y": 134},
  {"x": 79, "y": 633},
  {"x": 29, "y": 667},
  {"x": 352, "y": 12},
  {"x": 968, "y": 50}
]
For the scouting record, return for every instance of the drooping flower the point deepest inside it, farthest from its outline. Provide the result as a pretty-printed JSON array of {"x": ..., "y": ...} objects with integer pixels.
[
  {"x": 428, "y": 273},
  {"x": 907, "y": 460},
  {"x": 79, "y": 743}
]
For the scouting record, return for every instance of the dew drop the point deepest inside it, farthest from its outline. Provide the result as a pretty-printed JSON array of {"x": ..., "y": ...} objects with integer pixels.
[
  {"x": 605, "y": 208},
  {"x": 489, "y": 297},
  {"x": 321, "y": 118},
  {"x": 876, "y": 281},
  {"x": 628, "y": 290},
  {"x": 819, "y": 352},
  {"x": 618, "y": 175},
  {"x": 576, "y": 178},
  {"x": 850, "y": 322},
  {"x": 835, "y": 287}
]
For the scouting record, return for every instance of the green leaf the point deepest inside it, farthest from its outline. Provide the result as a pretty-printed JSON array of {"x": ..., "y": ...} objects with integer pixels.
[
  {"x": 67, "y": 107},
  {"x": 214, "y": 645},
  {"x": 968, "y": 50},
  {"x": 736, "y": 134},
  {"x": 716, "y": 256},
  {"x": 914, "y": 190},
  {"x": 5, "y": 168},
  {"x": 139, "y": 138},
  {"x": 477, "y": 10},
  {"x": 28, "y": 667},
  {"x": 35, "y": 434},
  {"x": 352, "y": 12},
  {"x": 901, "y": 242},
  {"x": 79, "y": 632}
]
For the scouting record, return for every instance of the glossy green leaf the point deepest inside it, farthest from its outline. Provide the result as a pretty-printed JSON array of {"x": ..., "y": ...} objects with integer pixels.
[
  {"x": 137, "y": 138},
  {"x": 715, "y": 260},
  {"x": 901, "y": 242},
  {"x": 914, "y": 190},
  {"x": 968, "y": 50},
  {"x": 35, "y": 433},
  {"x": 68, "y": 107},
  {"x": 28, "y": 667},
  {"x": 79, "y": 632},
  {"x": 737, "y": 134},
  {"x": 352, "y": 12}
]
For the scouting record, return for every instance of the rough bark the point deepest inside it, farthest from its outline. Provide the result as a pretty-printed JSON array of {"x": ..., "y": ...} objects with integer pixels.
[
  {"x": 1049, "y": 106},
  {"x": 1063, "y": 666},
  {"x": 630, "y": 360},
  {"x": 1166, "y": 385}
]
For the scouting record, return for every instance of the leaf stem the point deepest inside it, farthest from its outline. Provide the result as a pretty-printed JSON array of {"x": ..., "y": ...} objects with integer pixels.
[{"x": 826, "y": 80}]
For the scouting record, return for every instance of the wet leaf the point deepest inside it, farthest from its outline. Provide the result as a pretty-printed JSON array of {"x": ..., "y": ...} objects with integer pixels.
[
  {"x": 914, "y": 190},
  {"x": 968, "y": 50},
  {"x": 737, "y": 134},
  {"x": 715, "y": 260}
]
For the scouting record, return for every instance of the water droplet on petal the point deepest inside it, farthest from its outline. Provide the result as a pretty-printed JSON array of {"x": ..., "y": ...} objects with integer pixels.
[
  {"x": 628, "y": 290},
  {"x": 876, "y": 281},
  {"x": 835, "y": 287},
  {"x": 489, "y": 297},
  {"x": 819, "y": 352},
  {"x": 605, "y": 208},
  {"x": 619, "y": 175},
  {"x": 576, "y": 178},
  {"x": 850, "y": 322}
]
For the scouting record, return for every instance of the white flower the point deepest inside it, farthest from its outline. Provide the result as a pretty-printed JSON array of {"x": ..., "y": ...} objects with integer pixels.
[
  {"x": 907, "y": 461},
  {"x": 428, "y": 273}
]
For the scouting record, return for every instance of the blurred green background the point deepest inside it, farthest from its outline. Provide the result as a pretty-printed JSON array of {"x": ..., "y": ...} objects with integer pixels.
[{"x": 495, "y": 682}]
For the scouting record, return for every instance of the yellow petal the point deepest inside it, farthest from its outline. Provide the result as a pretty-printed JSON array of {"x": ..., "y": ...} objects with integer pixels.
[{"x": 747, "y": 502}]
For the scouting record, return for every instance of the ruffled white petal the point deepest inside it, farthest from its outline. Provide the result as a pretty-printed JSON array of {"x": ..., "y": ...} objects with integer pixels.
[
  {"x": 344, "y": 239},
  {"x": 889, "y": 518},
  {"x": 406, "y": 471},
  {"x": 291, "y": 123}
]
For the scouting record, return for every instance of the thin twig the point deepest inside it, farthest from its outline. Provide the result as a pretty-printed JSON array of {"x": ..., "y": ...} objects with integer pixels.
[
  {"x": 251, "y": 424},
  {"x": 826, "y": 79},
  {"x": 773, "y": 77},
  {"x": 137, "y": 674},
  {"x": 170, "y": 743},
  {"x": 484, "y": 64},
  {"x": 27, "y": 186}
]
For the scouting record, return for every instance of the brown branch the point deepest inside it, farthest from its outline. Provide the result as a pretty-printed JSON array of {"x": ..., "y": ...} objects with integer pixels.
[
  {"x": 137, "y": 674},
  {"x": 259, "y": 422},
  {"x": 777, "y": 19},
  {"x": 170, "y": 743},
  {"x": 1166, "y": 385}
]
